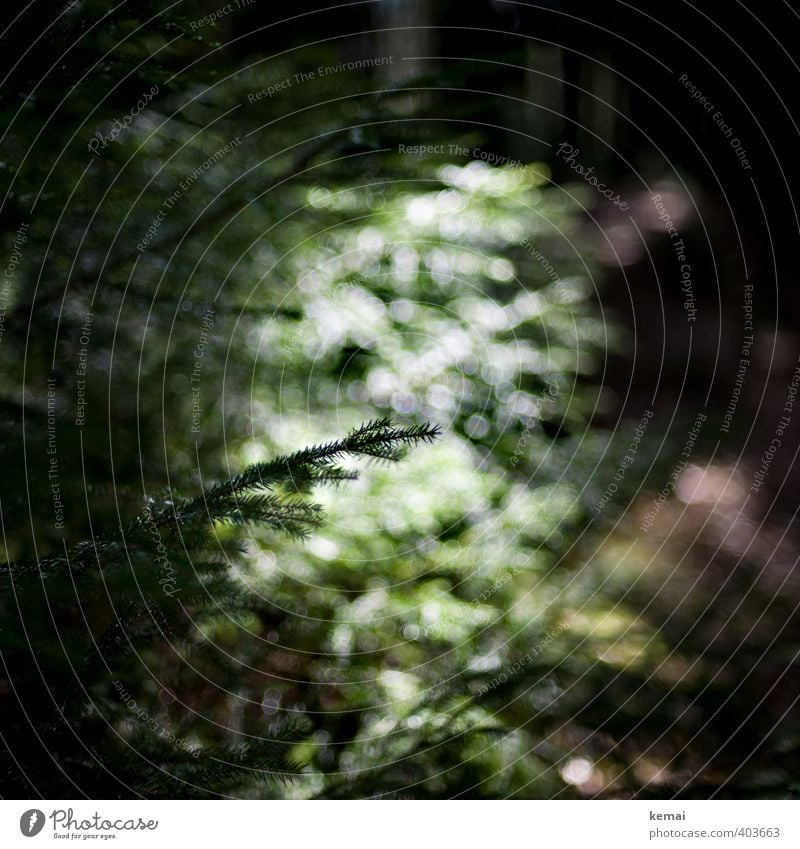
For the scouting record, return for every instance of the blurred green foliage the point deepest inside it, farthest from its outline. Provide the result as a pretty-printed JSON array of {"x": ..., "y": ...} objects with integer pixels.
[
  {"x": 234, "y": 277},
  {"x": 289, "y": 289}
]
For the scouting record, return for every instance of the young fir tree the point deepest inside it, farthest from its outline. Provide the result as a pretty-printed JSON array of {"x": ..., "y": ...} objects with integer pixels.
[{"x": 80, "y": 629}]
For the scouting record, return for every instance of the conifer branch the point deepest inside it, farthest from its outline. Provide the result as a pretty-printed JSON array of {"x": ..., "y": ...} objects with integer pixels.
[
  {"x": 378, "y": 439},
  {"x": 246, "y": 499}
]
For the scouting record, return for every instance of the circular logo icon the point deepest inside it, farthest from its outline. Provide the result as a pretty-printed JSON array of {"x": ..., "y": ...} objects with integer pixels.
[{"x": 31, "y": 822}]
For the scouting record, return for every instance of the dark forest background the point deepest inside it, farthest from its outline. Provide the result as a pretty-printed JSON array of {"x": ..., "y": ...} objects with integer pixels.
[{"x": 262, "y": 257}]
